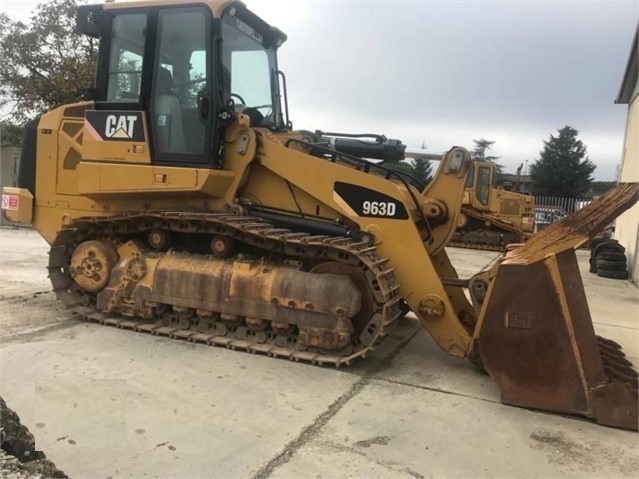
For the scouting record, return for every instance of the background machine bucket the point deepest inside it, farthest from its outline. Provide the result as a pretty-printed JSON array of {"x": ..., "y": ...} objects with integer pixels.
[{"x": 535, "y": 334}]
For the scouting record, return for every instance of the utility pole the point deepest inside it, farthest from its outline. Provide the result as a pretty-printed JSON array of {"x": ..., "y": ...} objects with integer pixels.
[{"x": 523, "y": 188}]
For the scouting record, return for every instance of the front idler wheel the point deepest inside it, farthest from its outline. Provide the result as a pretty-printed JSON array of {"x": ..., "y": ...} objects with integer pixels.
[{"x": 91, "y": 265}]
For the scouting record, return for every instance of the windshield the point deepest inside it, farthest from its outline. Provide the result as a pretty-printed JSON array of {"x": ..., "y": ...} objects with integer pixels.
[
  {"x": 249, "y": 71},
  {"x": 483, "y": 184}
]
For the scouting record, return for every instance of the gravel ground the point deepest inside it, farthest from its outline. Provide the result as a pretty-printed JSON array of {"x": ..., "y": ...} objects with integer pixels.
[{"x": 18, "y": 456}]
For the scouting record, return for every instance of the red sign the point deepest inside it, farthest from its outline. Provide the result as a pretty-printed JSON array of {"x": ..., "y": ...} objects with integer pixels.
[{"x": 10, "y": 202}]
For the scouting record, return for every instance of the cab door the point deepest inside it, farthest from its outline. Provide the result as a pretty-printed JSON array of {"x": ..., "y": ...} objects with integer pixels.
[
  {"x": 155, "y": 66},
  {"x": 483, "y": 186},
  {"x": 180, "y": 125},
  {"x": 151, "y": 126}
]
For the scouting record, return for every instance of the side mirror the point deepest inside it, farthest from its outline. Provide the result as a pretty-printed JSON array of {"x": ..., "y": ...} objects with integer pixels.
[{"x": 89, "y": 20}]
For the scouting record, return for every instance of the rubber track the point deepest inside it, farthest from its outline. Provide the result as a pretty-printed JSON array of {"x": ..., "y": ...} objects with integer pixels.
[
  {"x": 253, "y": 231},
  {"x": 496, "y": 221}
]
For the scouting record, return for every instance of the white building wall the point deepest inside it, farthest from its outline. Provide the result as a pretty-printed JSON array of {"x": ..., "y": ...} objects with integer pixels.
[{"x": 627, "y": 225}]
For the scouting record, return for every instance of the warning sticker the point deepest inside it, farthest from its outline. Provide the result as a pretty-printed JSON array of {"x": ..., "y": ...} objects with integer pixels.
[{"x": 10, "y": 202}]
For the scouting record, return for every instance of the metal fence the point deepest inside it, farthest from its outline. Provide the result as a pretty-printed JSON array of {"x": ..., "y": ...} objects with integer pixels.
[{"x": 549, "y": 209}]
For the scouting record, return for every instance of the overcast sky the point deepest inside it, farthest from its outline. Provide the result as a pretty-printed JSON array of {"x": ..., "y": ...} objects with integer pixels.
[{"x": 447, "y": 72}]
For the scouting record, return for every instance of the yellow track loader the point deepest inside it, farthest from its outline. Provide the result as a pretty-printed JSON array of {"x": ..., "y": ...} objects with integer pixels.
[
  {"x": 178, "y": 200},
  {"x": 492, "y": 218}
]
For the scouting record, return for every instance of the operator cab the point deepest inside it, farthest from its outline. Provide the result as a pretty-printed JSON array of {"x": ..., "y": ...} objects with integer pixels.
[
  {"x": 189, "y": 68},
  {"x": 480, "y": 179}
]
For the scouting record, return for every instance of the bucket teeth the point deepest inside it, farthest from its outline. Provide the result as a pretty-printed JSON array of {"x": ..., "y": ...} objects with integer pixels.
[
  {"x": 609, "y": 343},
  {"x": 620, "y": 364},
  {"x": 612, "y": 352},
  {"x": 616, "y": 366},
  {"x": 613, "y": 358}
]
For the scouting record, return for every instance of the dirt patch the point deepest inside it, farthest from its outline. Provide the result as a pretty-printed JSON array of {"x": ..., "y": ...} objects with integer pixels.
[
  {"x": 17, "y": 442},
  {"x": 38, "y": 298},
  {"x": 588, "y": 456},
  {"x": 382, "y": 440}
]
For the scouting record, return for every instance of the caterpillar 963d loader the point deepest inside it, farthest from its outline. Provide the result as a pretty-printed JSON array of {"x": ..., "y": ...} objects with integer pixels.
[
  {"x": 180, "y": 201},
  {"x": 492, "y": 218}
]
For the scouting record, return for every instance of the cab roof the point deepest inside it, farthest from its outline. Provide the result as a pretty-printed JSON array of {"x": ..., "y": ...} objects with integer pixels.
[{"x": 216, "y": 6}]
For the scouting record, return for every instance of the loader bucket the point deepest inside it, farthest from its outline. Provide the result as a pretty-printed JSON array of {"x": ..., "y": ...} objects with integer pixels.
[{"x": 535, "y": 334}]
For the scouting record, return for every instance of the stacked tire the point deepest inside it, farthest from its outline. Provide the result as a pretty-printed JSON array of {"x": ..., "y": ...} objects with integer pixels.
[{"x": 608, "y": 259}]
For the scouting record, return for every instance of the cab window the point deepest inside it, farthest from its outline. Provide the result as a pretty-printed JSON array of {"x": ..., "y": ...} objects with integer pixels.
[
  {"x": 470, "y": 178},
  {"x": 125, "y": 60},
  {"x": 483, "y": 184},
  {"x": 250, "y": 78},
  {"x": 180, "y": 73}
]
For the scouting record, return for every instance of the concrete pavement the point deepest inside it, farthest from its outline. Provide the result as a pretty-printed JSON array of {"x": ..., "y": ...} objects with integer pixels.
[{"x": 104, "y": 402}]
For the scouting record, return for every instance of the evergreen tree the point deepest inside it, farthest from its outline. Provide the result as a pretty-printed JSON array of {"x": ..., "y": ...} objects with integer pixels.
[
  {"x": 563, "y": 168},
  {"x": 401, "y": 166},
  {"x": 479, "y": 153},
  {"x": 422, "y": 170}
]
